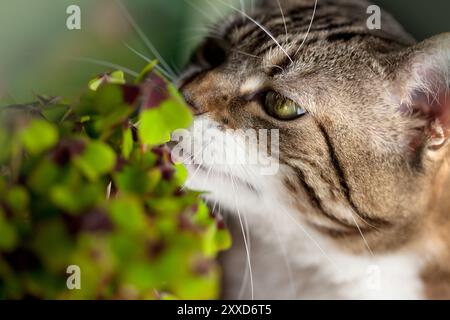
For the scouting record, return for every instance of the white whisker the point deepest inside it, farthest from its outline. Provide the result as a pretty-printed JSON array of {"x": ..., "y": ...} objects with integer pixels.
[
  {"x": 177, "y": 70},
  {"x": 147, "y": 59},
  {"x": 252, "y": 5},
  {"x": 214, "y": 8},
  {"x": 309, "y": 29},
  {"x": 208, "y": 173},
  {"x": 213, "y": 210},
  {"x": 309, "y": 236},
  {"x": 362, "y": 235},
  {"x": 143, "y": 37},
  {"x": 219, "y": 211},
  {"x": 246, "y": 244},
  {"x": 242, "y": 7},
  {"x": 284, "y": 19},
  {"x": 277, "y": 66},
  {"x": 246, "y": 54},
  {"x": 201, "y": 11},
  {"x": 214, "y": 31},
  {"x": 259, "y": 25},
  {"x": 244, "y": 280},
  {"x": 107, "y": 64},
  {"x": 191, "y": 178},
  {"x": 194, "y": 158},
  {"x": 247, "y": 232},
  {"x": 285, "y": 257}
]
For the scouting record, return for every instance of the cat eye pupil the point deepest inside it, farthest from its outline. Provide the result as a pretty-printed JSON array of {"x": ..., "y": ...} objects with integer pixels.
[{"x": 282, "y": 108}]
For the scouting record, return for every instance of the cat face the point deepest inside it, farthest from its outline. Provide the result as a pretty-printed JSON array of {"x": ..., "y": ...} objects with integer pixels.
[{"x": 361, "y": 119}]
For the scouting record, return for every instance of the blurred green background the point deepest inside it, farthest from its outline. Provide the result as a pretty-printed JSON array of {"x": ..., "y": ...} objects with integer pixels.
[{"x": 39, "y": 55}]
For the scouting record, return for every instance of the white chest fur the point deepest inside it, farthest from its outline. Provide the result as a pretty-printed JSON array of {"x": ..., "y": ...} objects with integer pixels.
[{"x": 288, "y": 261}]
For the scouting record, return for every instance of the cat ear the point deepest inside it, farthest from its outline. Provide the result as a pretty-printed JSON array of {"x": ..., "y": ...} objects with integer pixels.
[{"x": 423, "y": 89}]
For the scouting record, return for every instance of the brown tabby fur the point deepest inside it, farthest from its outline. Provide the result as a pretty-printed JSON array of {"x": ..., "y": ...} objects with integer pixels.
[{"x": 355, "y": 149}]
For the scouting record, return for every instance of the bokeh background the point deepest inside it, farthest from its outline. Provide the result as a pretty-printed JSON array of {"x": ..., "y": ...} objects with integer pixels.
[{"x": 39, "y": 55}]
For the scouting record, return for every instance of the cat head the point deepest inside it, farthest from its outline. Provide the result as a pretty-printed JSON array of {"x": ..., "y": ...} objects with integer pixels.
[{"x": 362, "y": 118}]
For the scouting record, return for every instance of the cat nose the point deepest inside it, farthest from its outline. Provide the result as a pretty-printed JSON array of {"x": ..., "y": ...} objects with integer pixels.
[
  {"x": 192, "y": 103},
  {"x": 207, "y": 93}
]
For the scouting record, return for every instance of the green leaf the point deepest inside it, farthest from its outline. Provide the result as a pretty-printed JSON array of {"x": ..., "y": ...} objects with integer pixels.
[
  {"x": 94, "y": 84},
  {"x": 223, "y": 240},
  {"x": 76, "y": 199},
  {"x": 168, "y": 297},
  {"x": 52, "y": 244},
  {"x": 113, "y": 119},
  {"x": 96, "y": 160},
  {"x": 127, "y": 143},
  {"x": 38, "y": 136},
  {"x": 165, "y": 206},
  {"x": 116, "y": 77},
  {"x": 55, "y": 113},
  {"x": 8, "y": 238},
  {"x": 18, "y": 199},
  {"x": 181, "y": 174},
  {"x": 132, "y": 180},
  {"x": 202, "y": 216},
  {"x": 2, "y": 186},
  {"x": 5, "y": 143},
  {"x": 157, "y": 124},
  {"x": 149, "y": 68},
  {"x": 128, "y": 214},
  {"x": 86, "y": 107},
  {"x": 176, "y": 112},
  {"x": 55, "y": 198},
  {"x": 199, "y": 288},
  {"x": 152, "y": 129},
  {"x": 108, "y": 99},
  {"x": 43, "y": 176}
]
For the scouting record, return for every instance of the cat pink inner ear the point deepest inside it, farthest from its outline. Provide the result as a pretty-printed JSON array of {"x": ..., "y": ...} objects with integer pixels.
[
  {"x": 435, "y": 110},
  {"x": 426, "y": 82}
]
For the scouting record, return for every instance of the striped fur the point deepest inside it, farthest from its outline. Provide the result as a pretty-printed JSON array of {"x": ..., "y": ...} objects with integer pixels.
[{"x": 358, "y": 171}]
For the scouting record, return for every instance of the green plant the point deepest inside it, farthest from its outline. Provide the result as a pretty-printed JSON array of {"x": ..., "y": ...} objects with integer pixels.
[{"x": 81, "y": 185}]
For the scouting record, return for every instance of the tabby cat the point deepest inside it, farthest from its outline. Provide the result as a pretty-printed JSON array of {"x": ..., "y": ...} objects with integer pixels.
[{"x": 360, "y": 205}]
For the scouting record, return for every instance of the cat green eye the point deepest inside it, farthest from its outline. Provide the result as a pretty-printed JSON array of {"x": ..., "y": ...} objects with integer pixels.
[{"x": 282, "y": 108}]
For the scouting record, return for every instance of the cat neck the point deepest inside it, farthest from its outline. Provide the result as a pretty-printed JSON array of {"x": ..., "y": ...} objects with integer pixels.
[
  {"x": 436, "y": 231},
  {"x": 439, "y": 204}
]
